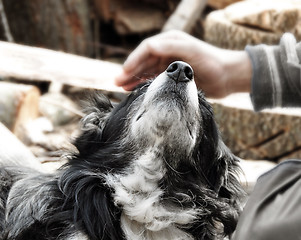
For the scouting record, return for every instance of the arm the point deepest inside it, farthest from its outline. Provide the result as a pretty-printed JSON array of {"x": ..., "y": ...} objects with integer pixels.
[
  {"x": 270, "y": 73},
  {"x": 218, "y": 72},
  {"x": 276, "y": 80}
]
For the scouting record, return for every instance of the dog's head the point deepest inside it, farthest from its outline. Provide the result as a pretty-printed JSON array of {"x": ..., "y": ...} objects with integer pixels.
[
  {"x": 167, "y": 113},
  {"x": 171, "y": 118}
]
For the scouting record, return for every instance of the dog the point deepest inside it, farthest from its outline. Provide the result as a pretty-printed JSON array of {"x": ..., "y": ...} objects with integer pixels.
[{"x": 152, "y": 167}]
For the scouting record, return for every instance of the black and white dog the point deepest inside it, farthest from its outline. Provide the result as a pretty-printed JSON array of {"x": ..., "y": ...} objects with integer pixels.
[{"x": 154, "y": 167}]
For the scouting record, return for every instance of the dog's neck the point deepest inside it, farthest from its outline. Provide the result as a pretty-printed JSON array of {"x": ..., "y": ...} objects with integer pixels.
[{"x": 137, "y": 192}]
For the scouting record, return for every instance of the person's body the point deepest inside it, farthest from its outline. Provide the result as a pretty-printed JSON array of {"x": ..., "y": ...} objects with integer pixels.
[{"x": 272, "y": 76}]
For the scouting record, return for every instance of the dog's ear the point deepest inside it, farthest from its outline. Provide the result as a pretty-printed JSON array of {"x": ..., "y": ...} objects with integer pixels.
[
  {"x": 228, "y": 187},
  {"x": 218, "y": 164},
  {"x": 97, "y": 108},
  {"x": 228, "y": 169},
  {"x": 208, "y": 144},
  {"x": 219, "y": 169}
]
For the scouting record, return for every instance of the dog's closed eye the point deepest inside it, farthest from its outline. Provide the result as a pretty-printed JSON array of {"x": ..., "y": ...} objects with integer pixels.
[{"x": 140, "y": 115}]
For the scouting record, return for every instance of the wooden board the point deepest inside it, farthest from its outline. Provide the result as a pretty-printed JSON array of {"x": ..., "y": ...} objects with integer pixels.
[
  {"x": 23, "y": 62},
  {"x": 185, "y": 16}
]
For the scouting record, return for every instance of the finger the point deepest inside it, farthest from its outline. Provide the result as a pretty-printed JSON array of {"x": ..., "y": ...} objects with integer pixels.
[
  {"x": 138, "y": 56},
  {"x": 158, "y": 44},
  {"x": 122, "y": 79},
  {"x": 158, "y": 67},
  {"x": 147, "y": 67},
  {"x": 151, "y": 67},
  {"x": 142, "y": 70},
  {"x": 132, "y": 85},
  {"x": 143, "y": 51}
]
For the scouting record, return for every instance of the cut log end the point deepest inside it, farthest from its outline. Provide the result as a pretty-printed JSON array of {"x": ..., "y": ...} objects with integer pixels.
[{"x": 20, "y": 104}]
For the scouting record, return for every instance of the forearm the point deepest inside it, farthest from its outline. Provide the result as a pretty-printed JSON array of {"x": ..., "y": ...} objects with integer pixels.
[{"x": 276, "y": 74}]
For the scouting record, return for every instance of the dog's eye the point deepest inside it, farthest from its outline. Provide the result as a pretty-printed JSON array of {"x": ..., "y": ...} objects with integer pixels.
[{"x": 143, "y": 88}]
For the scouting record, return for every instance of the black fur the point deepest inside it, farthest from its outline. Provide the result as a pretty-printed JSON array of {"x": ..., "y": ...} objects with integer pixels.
[{"x": 77, "y": 197}]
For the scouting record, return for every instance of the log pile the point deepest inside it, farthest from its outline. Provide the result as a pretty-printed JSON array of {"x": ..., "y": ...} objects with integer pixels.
[
  {"x": 253, "y": 22},
  {"x": 269, "y": 135},
  {"x": 96, "y": 28}
]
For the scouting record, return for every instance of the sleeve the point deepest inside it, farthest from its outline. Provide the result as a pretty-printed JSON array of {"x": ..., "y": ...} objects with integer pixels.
[
  {"x": 276, "y": 80},
  {"x": 273, "y": 210}
]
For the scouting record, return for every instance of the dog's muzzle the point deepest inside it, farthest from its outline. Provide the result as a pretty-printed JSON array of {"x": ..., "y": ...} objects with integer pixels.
[{"x": 168, "y": 115}]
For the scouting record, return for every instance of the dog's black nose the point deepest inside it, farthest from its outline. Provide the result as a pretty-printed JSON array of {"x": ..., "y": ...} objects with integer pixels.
[{"x": 180, "y": 71}]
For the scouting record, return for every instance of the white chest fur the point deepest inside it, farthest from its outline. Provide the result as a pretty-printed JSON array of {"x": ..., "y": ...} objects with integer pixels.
[{"x": 144, "y": 217}]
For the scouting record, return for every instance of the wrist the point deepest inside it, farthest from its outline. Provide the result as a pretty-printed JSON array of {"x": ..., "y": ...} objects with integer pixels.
[{"x": 238, "y": 71}]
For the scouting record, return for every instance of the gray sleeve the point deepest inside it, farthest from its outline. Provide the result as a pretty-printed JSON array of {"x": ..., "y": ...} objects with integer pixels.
[{"x": 276, "y": 78}]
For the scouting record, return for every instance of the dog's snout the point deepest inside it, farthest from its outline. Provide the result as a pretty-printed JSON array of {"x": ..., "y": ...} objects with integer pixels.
[{"x": 180, "y": 71}]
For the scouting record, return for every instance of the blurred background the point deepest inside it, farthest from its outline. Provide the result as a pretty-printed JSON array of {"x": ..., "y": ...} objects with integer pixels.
[{"x": 112, "y": 28}]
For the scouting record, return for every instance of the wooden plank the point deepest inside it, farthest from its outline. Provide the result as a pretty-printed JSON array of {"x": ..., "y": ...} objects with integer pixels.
[
  {"x": 185, "y": 16},
  {"x": 37, "y": 64}
]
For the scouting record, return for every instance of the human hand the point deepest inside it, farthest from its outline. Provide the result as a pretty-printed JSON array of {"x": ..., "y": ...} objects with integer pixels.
[{"x": 216, "y": 70}]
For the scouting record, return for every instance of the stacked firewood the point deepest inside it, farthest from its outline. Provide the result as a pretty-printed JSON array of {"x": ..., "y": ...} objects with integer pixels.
[
  {"x": 94, "y": 28},
  {"x": 253, "y": 22}
]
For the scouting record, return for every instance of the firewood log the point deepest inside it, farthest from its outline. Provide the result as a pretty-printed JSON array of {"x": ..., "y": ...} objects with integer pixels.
[
  {"x": 268, "y": 135},
  {"x": 185, "y": 16},
  {"x": 19, "y": 104},
  {"x": 253, "y": 22}
]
